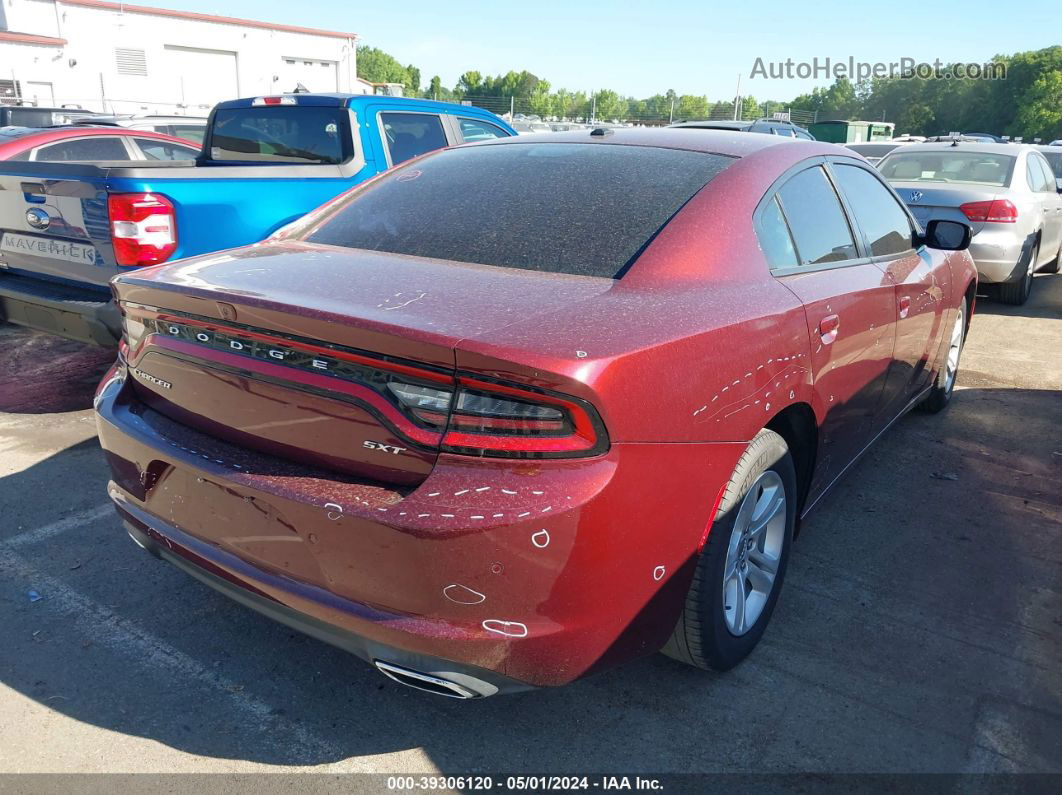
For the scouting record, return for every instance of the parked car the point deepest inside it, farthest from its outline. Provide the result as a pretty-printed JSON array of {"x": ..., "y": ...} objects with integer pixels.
[
  {"x": 265, "y": 162},
  {"x": 987, "y": 138},
  {"x": 32, "y": 116},
  {"x": 769, "y": 126},
  {"x": 1053, "y": 156},
  {"x": 873, "y": 152},
  {"x": 87, "y": 144},
  {"x": 1006, "y": 192},
  {"x": 489, "y": 442},
  {"x": 190, "y": 128}
]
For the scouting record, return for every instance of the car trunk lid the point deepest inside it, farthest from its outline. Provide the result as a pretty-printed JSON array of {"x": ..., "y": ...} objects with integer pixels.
[
  {"x": 930, "y": 202},
  {"x": 301, "y": 350}
]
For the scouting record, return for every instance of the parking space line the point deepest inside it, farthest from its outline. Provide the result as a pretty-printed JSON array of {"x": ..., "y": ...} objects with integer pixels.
[
  {"x": 127, "y": 638},
  {"x": 38, "y": 534}
]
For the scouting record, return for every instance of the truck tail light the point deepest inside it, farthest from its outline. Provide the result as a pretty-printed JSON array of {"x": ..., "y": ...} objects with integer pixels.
[
  {"x": 997, "y": 211},
  {"x": 143, "y": 228},
  {"x": 258, "y": 101},
  {"x": 499, "y": 420}
]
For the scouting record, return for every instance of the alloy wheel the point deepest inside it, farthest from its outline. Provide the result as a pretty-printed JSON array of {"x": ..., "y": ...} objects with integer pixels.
[
  {"x": 754, "y": 552},
  {"x": 951, "y": 367}
]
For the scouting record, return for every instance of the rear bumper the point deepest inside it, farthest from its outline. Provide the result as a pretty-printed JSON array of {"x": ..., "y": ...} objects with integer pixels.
[
  {"x": 77, "y": 314},
  {"x": 997, "y": 253},
  {"x": 513, "y": 573}
]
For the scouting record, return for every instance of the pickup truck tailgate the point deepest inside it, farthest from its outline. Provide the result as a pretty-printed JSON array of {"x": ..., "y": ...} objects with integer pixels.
[{"x": 55, "y": 227}]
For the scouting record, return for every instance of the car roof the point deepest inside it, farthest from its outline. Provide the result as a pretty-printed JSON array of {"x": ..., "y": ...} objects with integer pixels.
[
  {"x": 981, "y": 147},
  {"x": 723, "y": 142},
  {"x": 707, "y": 124},
  {"x": 38, "y": 136}
]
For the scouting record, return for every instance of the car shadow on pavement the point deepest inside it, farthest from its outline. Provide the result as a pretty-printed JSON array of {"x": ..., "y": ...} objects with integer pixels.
[
  {"x": 918, "y": 630},
  {"x": 1045, "y": 300},
  {"x": 43, "y": 374}
]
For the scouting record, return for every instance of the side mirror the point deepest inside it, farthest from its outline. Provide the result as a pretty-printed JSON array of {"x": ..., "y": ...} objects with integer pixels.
[
  {"x": 947, "y": 235},
  {"x": 1058, "y": 184}
]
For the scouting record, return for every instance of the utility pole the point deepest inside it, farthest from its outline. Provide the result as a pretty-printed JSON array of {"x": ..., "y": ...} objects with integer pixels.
[
  {"x": 671, "y": 118},
  {"x": 512, "y": 107},
  {"x": 737, "y": 97},
  {"x": 593, "y": 108}
]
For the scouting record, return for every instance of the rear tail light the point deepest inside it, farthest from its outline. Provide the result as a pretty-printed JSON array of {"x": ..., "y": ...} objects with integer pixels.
[
  {"x": 490, "y": 419},
  {"x": 997, "y": 211},
  {"x": 465, "y": 415},
  {"x": 143, "y": 228}
]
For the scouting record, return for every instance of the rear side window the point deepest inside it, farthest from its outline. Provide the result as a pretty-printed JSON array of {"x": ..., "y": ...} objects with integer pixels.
[
  {"x": 820, "y": 229},
  {"x": 99, "y": 147},
  {"x": 163, "y": 150},
  {"x": 476, "y": 130},
  {"x": 877, "y": 213},
  {"x": 411, "y": 134},
  {"x": 281, "y": 134},
  {"x": 585, "y": 209},
  {"x": 775, "y": 240},
  {"x": 1054, "y": 159}
]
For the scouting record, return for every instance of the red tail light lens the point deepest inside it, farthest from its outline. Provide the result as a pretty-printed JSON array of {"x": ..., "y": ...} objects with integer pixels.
[
  {"x": 997, "y": 211},
  {"x": 143, "y": 228},
  {"x": 489, "y": 419}
]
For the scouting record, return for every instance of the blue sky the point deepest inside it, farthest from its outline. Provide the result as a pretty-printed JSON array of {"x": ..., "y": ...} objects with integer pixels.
[{"x": 643, "y": 48}]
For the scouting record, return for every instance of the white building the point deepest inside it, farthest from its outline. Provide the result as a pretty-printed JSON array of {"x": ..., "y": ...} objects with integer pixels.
[{"x": 120, "y": 58}]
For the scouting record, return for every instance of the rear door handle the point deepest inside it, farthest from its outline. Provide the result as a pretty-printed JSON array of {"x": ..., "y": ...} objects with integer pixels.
[{"x": 828, "y": 328}]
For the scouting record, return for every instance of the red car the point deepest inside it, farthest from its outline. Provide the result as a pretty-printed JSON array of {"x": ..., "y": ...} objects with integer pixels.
[
  {"x": 516, "y": 412},
  {"x": 85, "y": 143}
]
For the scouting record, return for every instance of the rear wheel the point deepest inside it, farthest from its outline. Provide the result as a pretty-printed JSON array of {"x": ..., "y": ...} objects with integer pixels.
[
  {"x": 1017, "y": 292},
  {"x": 740, "y": 572},
  {"x": 940, "y": 395}
]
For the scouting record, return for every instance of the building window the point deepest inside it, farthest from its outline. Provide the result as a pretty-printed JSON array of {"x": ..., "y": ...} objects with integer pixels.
[{"x": 131, "y": 62}]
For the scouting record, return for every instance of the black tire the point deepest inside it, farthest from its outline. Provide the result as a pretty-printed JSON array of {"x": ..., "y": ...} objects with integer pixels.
[
  {"x": 701, "y": 638},
  {"x": 1017, "y": 292},
  {"x": 943, "y": 387}
]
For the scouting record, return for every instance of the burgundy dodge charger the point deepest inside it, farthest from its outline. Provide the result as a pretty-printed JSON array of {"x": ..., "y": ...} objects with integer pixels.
[{"x": 516, "y": 412}]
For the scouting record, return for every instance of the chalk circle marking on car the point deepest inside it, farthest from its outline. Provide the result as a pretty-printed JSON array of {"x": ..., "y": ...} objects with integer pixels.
[
  {"x": 510, "y": 629},
  {"x": 463, "y": 595},
  {"x": 659, "y": 572},
  {"x": 335, "y": 511},
  {"x": 409, "y": 176},
  {"x": 541, "y": 539}
]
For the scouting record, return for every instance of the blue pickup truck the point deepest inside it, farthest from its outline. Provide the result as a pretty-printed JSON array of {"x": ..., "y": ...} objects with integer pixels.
[{"x": 67, "y": 228}]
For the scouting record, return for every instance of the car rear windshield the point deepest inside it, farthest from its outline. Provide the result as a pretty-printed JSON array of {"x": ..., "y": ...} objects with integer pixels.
[
  {"x": 982, "y": 168},
  {"x": 280, "y": 134},
  {"x": 585, "y": 209}
]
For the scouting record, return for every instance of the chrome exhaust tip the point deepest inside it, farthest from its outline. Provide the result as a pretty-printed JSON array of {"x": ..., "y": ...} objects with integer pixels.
[{"x": 431, "y": 683}]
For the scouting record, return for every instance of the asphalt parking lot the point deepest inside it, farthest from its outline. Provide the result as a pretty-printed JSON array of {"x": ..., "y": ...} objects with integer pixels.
[{"x": 920, "y": 628}]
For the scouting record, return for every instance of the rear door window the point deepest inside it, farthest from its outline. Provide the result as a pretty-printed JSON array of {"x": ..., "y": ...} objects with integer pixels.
[
  {"x": 99, "y": 147},
  {"x": 281, "y": 134},
  {"x": 878, "y": 214},
  {"x": 411, "y": 134},
  {"x": 816, "y": 219},
  {"x": 584, "y": 209}
]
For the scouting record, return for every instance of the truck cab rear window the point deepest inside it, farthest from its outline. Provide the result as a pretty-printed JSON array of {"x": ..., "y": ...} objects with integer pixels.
[
  {"x": 281, "y": 134},
  {"x": 585, "y": 209}
]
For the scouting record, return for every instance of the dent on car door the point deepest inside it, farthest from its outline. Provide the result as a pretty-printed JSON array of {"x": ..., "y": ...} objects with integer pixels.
[
  {"x": 849, "y": 305},
  {"x": 921, "y": 278}
]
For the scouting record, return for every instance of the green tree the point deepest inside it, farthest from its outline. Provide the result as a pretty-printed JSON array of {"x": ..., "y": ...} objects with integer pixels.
[
  {"x": 376, "y": 66},
  {"x": 1040, "y": 115},
  {"x": 608, "y": 105},
  {"x": 435, "y": 88},
  {"x": 414, "y": 78}
]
